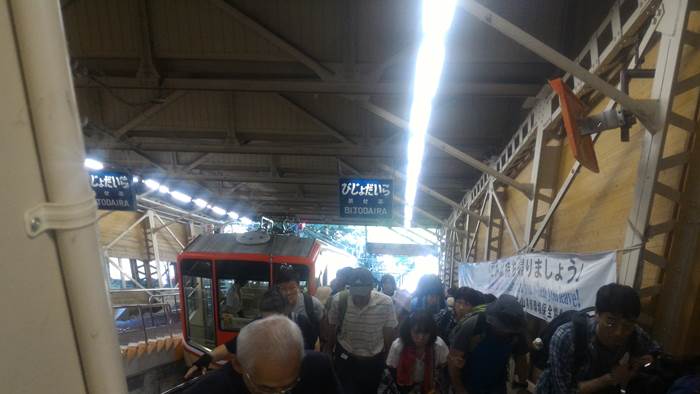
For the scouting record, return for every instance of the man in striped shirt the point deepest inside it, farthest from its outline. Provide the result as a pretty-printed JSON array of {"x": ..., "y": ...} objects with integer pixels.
[{"x": 361, "y": 331}]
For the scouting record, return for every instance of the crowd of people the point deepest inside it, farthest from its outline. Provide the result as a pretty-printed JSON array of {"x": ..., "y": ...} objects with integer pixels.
[{"x": 367, "y": 339}]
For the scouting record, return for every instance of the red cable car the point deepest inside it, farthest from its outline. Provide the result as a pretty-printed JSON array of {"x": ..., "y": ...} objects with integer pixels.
[{"x": 223, "y": 276}]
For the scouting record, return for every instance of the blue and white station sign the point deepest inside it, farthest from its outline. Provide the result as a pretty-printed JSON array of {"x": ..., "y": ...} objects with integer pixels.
[
  {"x": 365, "y": 198},
  {"x": 113, "y": 190}
]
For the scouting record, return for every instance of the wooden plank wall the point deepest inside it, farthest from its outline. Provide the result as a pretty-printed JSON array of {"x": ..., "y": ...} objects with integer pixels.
[
  {"x": 593, "y": 215},
  {"x": 133, "y": 244}
]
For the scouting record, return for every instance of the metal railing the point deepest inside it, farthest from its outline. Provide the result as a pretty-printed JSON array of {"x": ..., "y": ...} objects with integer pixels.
[
  {"x": 156, "y": 319},
  {"x": 162, "y": 299},
  {"x": 163, "y": 295}
]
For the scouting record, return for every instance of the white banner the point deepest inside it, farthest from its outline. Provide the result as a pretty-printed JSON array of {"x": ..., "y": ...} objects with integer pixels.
[{"x": 546, "y": 284}]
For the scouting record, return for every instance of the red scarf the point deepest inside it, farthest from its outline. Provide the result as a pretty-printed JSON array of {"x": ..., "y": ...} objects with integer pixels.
[{"x": 407, "y": 364}]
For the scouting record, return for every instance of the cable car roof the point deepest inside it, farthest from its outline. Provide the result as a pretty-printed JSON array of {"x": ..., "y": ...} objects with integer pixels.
[{"x": 278, "y": 245}]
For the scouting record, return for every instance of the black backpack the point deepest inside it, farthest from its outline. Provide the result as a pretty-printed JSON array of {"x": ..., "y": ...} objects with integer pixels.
[
  {"x": 579, "y": 320},
  {"x": 312, "y": 326}
]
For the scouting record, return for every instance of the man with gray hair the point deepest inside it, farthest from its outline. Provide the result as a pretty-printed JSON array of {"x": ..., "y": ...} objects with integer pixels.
[{"x": 270, "y": 358}]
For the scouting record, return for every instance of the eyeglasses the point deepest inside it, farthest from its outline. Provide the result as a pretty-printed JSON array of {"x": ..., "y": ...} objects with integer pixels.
[
  {"x": 269, "y": 390},
  {"x": 613, "y": 323}
]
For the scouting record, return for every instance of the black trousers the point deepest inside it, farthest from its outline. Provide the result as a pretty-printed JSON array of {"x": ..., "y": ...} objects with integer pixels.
[{"x": 358, "y": 375}]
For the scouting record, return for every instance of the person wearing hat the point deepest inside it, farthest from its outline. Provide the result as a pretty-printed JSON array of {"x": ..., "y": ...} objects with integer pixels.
[
  {"x": 481, "y": 349},
  {"x": 362, "y": 328}
]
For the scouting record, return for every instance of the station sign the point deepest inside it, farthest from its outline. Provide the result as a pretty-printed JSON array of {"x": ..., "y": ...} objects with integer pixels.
[
  {"x": 365, "y": 198},
  {"x": 113, "y": 190}
]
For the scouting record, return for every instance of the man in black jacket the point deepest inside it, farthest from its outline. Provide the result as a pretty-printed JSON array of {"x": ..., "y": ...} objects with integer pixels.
[{"x": 270, "y": 358}]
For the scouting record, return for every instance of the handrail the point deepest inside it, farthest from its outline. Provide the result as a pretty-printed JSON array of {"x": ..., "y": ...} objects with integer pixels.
[
  {"x": 182, "y": 386},
  {"x": 143, "y": 290},
  {"x": 162, "y": 296}
]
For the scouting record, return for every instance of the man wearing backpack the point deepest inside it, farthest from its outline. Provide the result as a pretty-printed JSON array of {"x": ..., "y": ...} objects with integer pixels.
[
  {"x": 362, "y": 328},
  {"x": 304, "y": 309},
  {"x": 603, "y": 356},
  {"x": 483, "y": 346},
  {"x": 468, "y": 302}
]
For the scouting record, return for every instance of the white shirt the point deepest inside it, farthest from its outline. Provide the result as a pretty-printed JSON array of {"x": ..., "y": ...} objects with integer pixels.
[
  {"x": 440, "y": 348},
  {"x": 362, "y": 333}
]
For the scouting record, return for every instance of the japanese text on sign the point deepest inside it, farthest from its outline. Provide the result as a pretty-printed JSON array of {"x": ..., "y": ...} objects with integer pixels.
[
  {"x": 365, "y": 198},
  {"x": 546, "y": 284},
  {"x": 112, "y": 190}
]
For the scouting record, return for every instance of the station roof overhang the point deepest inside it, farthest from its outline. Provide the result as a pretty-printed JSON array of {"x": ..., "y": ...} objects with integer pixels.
[{"x": 259, "y": 107}]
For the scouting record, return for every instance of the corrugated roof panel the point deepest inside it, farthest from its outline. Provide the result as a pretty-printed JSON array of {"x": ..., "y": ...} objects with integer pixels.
[
  {"x": 198, "y": 29},
  {"x": 313, "y": 26},
  {"x": 103, "y": 28},
  {"x": 119, "y": 106},
  {"x": 267, "y": 112},
  {"x": 194, "y": 111}
]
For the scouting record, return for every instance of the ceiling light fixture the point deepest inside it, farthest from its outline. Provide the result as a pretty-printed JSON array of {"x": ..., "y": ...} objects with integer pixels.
[
  {"x": 151, "y": 184},
  {"x": 232, "y": 215},
  {"x": 164, "y": 189},
  {"x": 218, "y": 210},
  {"x": 93, "y": 164},
  {"x": 436, "y": 20},
  {"x": 200, "y": 203},
  {"x": 181, "y": 196}
]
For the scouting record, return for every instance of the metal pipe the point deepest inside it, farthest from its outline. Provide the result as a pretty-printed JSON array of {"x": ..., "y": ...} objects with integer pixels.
[
  {"x": 44, "y": 58},
  {"x": 168, "y": 319},
  {"x": 143, "y": 324}
]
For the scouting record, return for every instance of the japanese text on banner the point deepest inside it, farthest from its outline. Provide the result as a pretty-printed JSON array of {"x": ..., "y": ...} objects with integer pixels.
[{"x": 546, "y": 284}]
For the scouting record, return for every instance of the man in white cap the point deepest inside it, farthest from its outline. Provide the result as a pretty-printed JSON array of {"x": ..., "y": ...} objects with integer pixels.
[{"x": 362, "y": 328}]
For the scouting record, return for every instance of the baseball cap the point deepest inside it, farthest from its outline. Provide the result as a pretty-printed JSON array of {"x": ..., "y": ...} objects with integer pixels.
[
  {"x": 361, "y": 282},
  {"x": 506, "y": 314}
]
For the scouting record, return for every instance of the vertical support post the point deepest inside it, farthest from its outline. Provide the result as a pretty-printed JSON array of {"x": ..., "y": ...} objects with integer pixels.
[
  {"x": 473, "y": 243},
  {"x": 465, "y": 242},
  {"x": 107, "y": 274},
  {"x": 534, "y": 180},
  {"x": 672, "y": 28},
  {"x": 154, "y": 245},
  {"x": 489, "y": 228},
  {"x": 121, "y": 272}
]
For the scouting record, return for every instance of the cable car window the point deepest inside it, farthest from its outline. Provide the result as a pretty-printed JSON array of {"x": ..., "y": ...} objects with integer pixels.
[
  {"x": 199, "y": 303},
  {"x": 301, "y": 270},
  {"x": 240, "y": 286}
]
